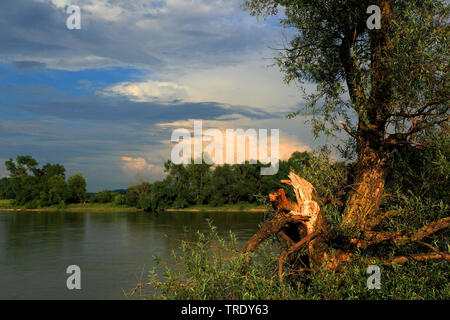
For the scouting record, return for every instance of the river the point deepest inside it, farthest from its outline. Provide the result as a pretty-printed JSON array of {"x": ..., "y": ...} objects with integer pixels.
[{"x": 111, "y": 249}]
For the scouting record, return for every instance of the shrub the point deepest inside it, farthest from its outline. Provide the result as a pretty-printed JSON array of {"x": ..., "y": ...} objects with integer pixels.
[
  {"x": 212, "y": 267},
  {"x": 120, "y": 200}
]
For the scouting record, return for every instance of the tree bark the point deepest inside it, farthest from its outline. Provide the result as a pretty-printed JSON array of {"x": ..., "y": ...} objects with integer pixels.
[{"x": 364, "y": 199}]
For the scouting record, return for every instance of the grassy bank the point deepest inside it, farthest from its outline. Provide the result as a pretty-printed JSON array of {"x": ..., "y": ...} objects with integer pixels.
[
  {"x": 235, "y": 207},
  {"x": 5, "y": 205}
]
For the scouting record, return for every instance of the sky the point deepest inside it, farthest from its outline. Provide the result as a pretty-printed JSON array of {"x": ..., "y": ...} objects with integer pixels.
[{"x": 103, "y": 100}]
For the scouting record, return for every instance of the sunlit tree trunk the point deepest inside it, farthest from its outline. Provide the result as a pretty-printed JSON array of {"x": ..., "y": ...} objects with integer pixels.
[{"x": 364, "y": 199}]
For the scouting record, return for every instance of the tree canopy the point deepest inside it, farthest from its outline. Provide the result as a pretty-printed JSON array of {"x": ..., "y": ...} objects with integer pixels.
[{"x": 34, "y": 187}]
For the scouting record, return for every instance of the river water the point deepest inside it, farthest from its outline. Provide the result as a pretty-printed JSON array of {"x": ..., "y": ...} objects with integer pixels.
[{"x": 112, "y": 250}]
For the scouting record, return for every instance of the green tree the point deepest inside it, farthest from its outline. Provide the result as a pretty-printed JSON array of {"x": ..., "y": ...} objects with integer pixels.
[
  {"x": 221, "y": 186},
  {"x": 385, "y": 86},
  {"x": 120, "y": 200},
  {"x": 6, "y": 191},
  {"x": 105, "y": 196},
  {"x": 23, "y": 181},
  {"x": 198, "y": 176},
  {"x": 131, "y": 197},
  {"x": 22, "y": 166},
  {"x": 57, "y": 190}
]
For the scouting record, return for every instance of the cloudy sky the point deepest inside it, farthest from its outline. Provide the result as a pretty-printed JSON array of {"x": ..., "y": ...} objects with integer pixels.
[{"x": 105, "y": 99}]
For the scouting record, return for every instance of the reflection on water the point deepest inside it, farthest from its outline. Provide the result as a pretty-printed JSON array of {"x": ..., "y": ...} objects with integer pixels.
[{"x": 112, "y": 249}]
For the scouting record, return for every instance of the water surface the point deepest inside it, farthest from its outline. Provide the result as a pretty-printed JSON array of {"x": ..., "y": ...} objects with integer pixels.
[{"x": 112, "y": 249}]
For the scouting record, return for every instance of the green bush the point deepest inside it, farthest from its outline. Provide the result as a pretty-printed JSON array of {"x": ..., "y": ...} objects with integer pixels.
[
  {"x": 120, "y": 199},
  {"x": 213, "y": 268},
  {"x": 145, "y": 202},
  {"x": 105, "y": 196}
]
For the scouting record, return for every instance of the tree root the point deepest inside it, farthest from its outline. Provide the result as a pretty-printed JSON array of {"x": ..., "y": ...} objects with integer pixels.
[{"x": 306, "y": 213}]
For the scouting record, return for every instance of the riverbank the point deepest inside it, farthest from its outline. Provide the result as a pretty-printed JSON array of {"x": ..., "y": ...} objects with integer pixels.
[
  {"x": 80, "y": 207},
  {"x": 5, "y": 206},
  {"x": 238, "y": 207}
]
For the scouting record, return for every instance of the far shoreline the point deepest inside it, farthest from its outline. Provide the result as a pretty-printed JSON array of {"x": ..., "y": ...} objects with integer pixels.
[
  {"x": 216, "y": 210},
  {"x": 104, "y": 208}
]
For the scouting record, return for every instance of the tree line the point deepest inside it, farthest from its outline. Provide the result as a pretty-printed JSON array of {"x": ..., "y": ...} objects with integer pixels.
[
  {"x": 183, "y": 186},
  {"x": 34, "y": 187},
  {"x": 204, "y": 184}
]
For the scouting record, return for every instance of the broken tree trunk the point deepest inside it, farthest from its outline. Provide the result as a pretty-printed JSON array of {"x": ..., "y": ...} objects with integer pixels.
[
  {"x": 291, "y": 218},
  {"x": 302, "y": 225}
]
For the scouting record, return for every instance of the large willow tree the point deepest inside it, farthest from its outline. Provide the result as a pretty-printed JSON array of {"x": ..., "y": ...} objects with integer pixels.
[{"x": 385, "y": 87}]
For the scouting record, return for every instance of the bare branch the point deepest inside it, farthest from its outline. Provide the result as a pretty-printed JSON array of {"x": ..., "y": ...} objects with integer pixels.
[
  {"x": 299, "y": 245},
  {"x": 443, "y": 254},
  {"x": 409, "y": 258},
  {"x": 351, "y": 133},
  {"x": 417, "y": 235}
]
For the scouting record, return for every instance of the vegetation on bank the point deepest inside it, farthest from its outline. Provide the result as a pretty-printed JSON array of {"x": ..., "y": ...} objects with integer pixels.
[
  {"x": 215, "y": 267},
  {"x": 200, "y": 185},
  {"x": 196, "y": 187},
  {"x": 241, "y": 207},
  {"x": 387, "y": 88},
  {"x": 32, "y": 187},
  {"x": 5, "y": 205}
]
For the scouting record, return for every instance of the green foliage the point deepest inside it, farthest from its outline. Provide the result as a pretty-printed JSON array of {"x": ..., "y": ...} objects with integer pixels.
[
  {"x": 76, "y": 189},
  {"x": 131, "y": 198},
  {"x": 57, "y": 189},
  {"x": 213, "y": 267},
  {"x": 145, "y": 202},
  {"x": 333, "y": 48},
  {"x": 415, "y": 281},
  {"x": 6, "y": 191},
  {"x": 422, "y": 172},
  {"x": 105, "y": 196},
  {"x": 120, "y": 199},
  {"x": 35, "y": 187},
  {"x": 200, "y": 184}
]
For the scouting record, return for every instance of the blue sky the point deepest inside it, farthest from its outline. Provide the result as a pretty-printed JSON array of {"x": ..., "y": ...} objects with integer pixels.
[{"x": 104, "y": 100}]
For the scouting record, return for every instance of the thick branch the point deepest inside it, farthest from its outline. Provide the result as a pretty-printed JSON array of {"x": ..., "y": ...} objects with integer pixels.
[
  {"x": 444, "y": 255},
  {"x": 301, "y": 244},
  {"x": 270, "y": 228},
  {"x": 409, "y": 258},
  {"x": 289, "y": 241},
  {"x": 399, "y": 240},
  {"x": 376, "y": 220}
]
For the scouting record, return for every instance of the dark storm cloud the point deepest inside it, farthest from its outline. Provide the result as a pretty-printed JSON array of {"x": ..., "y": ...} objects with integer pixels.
[
  {"x": 43, "y": 113},
  {"x": 26, "y": 65},
  {"x": 37, "y": 30},
  {"x": 117, "y": 108}
]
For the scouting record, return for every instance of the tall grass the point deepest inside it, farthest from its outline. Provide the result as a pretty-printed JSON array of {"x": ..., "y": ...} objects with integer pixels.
[{"x": 212, "y": 267}]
